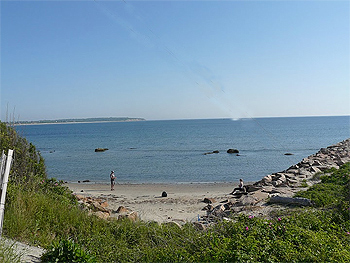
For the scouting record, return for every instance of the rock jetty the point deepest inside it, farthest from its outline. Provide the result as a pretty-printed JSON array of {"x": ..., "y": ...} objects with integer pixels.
[
  {"x": 326, "y": 158},
  {"x": 278, "y": 188}
]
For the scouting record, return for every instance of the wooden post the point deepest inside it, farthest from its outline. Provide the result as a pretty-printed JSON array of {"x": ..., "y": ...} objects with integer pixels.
[{"x": 4, "y": 187}]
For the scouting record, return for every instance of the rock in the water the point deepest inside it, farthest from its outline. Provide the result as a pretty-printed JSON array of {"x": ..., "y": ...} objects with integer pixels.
[
  {"x": 211, "y": 152},
  {"x": 101, "y": 149},
  {"x": 232, "y": 151}
]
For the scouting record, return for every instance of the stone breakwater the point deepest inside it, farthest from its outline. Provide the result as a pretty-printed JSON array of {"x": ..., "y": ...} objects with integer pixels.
[
  {"x": 278, "y": 187},
  {"x": 326, "y": 158}
]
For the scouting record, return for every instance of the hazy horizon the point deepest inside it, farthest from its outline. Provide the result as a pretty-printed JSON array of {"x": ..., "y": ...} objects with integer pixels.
[{"x": 243, "y": 118}]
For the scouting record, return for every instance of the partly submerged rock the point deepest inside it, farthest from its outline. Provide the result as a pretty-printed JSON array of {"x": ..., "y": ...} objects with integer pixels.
[
  {"x": 216, "y": 151},
  {"x": 101, "y": 149}
]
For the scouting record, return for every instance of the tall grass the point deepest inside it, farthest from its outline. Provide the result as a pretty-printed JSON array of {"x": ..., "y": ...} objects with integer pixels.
[{"x": 8, "y": 252}]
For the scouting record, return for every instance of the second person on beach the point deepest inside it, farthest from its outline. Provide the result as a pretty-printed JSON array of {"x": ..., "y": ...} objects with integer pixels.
[{"x": 239, "y": 188}]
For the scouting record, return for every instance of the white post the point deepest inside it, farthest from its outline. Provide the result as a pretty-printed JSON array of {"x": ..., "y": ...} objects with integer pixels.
[
  {"x": 4, "y": 188},
  {"x": 2, "y": 166}
]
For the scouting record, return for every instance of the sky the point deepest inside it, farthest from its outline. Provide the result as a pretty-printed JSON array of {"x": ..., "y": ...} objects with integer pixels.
[{"x": 174, "y": 59}]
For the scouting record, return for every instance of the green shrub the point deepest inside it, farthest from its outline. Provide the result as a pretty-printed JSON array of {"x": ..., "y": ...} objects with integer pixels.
[
  {"x": 332, "y": 190},
  {"x": 28, "y": 163},
  {"x": 304, "y": 184},
  {"x": 67, "y": 251}
]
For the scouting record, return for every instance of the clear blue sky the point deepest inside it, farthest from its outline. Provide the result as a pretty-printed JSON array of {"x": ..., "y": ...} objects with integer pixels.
[{"x": 174, "y": 59}]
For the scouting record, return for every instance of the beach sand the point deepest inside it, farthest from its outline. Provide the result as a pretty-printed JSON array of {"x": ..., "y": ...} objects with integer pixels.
[{"x": 184, "y": 202}]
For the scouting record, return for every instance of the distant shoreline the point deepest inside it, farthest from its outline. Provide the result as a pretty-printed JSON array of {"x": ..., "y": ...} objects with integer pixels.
[{"x": 77, "y": 121}]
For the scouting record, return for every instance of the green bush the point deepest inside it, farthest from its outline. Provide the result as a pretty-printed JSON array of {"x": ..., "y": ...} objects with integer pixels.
[
  {"x": 332, "y": 190},
  {"x": 67, "y": 251},
  {"x": 28, "y": 163}
]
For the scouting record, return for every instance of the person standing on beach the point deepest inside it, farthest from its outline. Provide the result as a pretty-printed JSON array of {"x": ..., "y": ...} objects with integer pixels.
[
  {"x": 112, "y": 176},
  {"x": 239, "y": 188}
]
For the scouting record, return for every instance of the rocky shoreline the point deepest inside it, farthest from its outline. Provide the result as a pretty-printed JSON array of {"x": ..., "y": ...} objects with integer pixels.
[
  {"x": 326, "y": 158},
  {"x": 277, "y": 188}
]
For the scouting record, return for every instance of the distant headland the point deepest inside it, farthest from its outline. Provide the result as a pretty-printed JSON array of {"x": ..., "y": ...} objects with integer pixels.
[{"x": 80, "y": 120}]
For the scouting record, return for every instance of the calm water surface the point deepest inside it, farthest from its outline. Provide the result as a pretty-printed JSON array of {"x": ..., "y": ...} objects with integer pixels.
[{"x": 173, "y": 151}]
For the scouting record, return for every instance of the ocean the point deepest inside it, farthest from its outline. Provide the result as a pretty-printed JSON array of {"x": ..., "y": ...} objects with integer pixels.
[{"x": 173, "y": 151}]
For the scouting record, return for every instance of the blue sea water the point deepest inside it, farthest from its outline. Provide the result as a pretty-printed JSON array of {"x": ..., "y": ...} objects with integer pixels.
[{"x": 173, "y": 151}]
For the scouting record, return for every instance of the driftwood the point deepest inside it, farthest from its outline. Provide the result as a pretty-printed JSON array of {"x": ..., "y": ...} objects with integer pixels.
[{"x": 291, "y": 200}]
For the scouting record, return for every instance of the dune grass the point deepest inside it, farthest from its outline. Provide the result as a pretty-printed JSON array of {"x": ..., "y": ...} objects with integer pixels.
[{"x": 8, "y": 252}]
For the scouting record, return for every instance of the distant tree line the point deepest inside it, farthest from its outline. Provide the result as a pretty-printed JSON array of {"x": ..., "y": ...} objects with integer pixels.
[{"x": 109, "y": 119}]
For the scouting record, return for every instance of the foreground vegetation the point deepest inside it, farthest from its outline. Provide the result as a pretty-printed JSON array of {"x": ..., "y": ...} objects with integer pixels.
[
  {"x": 43, "y": 212},
  {"x": 8, "y": 253}
]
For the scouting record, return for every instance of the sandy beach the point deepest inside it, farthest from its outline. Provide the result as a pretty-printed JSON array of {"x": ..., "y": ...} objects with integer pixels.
[{"x": 184, "y": 202}]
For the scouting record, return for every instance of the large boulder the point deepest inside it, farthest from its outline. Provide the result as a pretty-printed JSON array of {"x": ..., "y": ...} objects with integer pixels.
[
  {"x": 133, "y": 216},
  {"x": 209, "y": 200},
  {"x": 291, "y": 200},
  {"x": 96, "y": 206},
  {"x": 248, "y": 200},
  {"x": 102, "y": 215},
  {"x": 252, "y": 188},
  {"x": 122, "y": 209}
]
